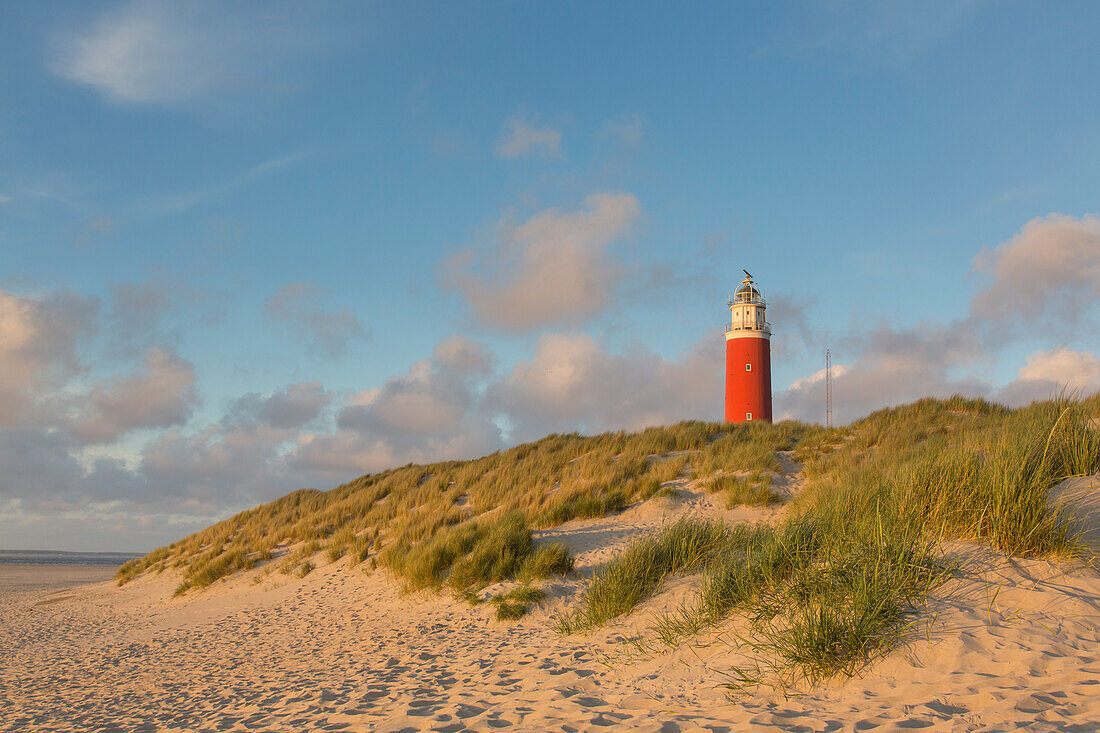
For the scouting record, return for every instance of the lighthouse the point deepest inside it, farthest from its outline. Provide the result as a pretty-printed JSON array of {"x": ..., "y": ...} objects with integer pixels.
[{"x": 748, "y": 356}]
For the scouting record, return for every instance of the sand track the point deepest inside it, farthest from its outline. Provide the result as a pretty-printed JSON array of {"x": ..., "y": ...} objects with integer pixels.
[{"x": 1016, "y": 644}]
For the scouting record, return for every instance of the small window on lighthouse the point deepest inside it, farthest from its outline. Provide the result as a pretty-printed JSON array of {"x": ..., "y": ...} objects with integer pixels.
[
  {"x": 748, "y": 367},
  {"x": 748, "y": 416}
]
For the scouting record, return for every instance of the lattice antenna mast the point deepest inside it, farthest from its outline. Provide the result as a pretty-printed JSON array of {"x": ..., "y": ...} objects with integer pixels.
[{"x": 828, "y": 390}]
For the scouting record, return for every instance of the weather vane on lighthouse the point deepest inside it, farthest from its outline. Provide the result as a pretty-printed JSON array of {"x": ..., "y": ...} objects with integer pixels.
[{"x": 748, "y": 356}]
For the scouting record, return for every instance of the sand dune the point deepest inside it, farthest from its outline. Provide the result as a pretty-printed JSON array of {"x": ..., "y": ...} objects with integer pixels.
[
  {"x": 1081, "y": 495},
  {"x": 1014, "y": 645}
]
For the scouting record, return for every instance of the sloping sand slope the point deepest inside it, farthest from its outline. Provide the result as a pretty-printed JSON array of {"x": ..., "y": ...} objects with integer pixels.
[
  {"x": 1015, "y": 644},
  {"x": 1081, "y": 496}
]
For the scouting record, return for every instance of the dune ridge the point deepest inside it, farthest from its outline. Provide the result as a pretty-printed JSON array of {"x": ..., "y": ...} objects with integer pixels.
[{"x": 1009, "y": 641}]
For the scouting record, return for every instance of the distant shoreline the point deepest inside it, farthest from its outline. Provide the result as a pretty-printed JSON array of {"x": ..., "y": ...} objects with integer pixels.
[
  {"x": 19, "y": 580},
  {"x": 61, "y": 557}
]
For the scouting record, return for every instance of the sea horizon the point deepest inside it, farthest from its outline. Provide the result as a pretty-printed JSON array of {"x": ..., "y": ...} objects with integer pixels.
[{"x": 64, "y": 557}]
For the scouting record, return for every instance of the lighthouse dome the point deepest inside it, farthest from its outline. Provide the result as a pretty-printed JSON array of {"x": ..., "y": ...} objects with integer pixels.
[{"x": 748, "y": 293}]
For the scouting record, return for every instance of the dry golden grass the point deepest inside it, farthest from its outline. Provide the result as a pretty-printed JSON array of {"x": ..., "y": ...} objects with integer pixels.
[
  {"x": 960, "y": 468},
  {"x": 466, "y": 523},
  {"x": 839, "y": 582}
]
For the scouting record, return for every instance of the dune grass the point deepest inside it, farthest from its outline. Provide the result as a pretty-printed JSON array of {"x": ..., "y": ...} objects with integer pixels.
[
  {"x": 546, "y": 560},
  {"x": 514, "y": 604},
  {"x": 443, "y": 524},
  {"x": 634, "y": 574},
  {"x": 755, "y": 490},
  {"x": 842, "y": 579},
  {"x": 475, "y": 554},
  {"x": 752, "y": 447},
  {"x": 838, "y": 583},
  {"x": 982, "y": 473},
  {"x": 510, "y": 611}
]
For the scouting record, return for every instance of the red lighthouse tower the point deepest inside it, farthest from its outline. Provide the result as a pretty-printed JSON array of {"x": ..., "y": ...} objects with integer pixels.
[{"x": 748, "y": 356}]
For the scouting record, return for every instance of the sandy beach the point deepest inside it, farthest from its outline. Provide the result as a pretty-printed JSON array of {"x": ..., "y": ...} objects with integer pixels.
[
  {"x": 660, "y": 367},
  {"x": 1012, "y": 645},
  {"x": 34, "y": 579}
]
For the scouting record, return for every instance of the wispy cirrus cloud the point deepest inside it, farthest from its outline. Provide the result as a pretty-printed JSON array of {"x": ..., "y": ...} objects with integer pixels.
[
  {"x": 521, "y": 138},
  {"x": 627, "y": 130},
  {"x": 179, "y": 201},
  {"x": 890, "y": 33},
  {"x": 169, "y": 52}
]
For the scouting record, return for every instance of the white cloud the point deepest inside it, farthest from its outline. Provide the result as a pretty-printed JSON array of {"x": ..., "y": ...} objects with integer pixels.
[
  {"x": 170, "y": 51},
  {"x": 927, "y": 342},
  {"x": 298, "y": 305},
  {"x": 434, "y": 412},
  {"x": 573, "y": 384},
  {"x": 551, "y": 269},
  {"x": 819, "y": 377},
  {"x": 38, "y": 465},
  {"x": 627, "y": 130},
  {"x": 796, "y": 337},
  {"x": 1048, "y": 273},
  {"x": 1049, "y": 373},
  {"x": 447, "y": 408},
  {"x": 433, "y": 401},
  {"x": 49, "y": 419},
  {"x": 1044, "y": 280},
  {"x": 345, "y": 454},
  {"x": 424, "y": 401},
  {"x": 458, "y": 403},
  {"x": 871, "y": 384},
  {"x": 889, "y": 366},
  {"x": 462, "y": 355},
  {"x": 155, "y": 312},
  {"x": 1074, "y": 368},
  {"x": 217, "y": 468},
  {"x": 143, "y": 52},
  {"x": 159, "y": 395},
  {"x": 520, "y": 138},
  {"x": 291, "y": 407},
  {"x": 39, "y": 340},
  {"x": 872, "y": 32}
]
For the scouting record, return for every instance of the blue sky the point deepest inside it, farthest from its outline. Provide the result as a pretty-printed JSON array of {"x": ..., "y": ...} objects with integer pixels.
[{"x": 250, "y": 247}]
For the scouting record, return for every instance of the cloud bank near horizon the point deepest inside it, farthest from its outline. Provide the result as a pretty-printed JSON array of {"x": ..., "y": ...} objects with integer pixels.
[
  {"x": 1044, "y": 280},
  {"x": 125, "y": 448}
]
